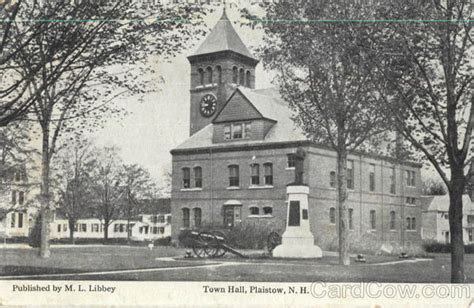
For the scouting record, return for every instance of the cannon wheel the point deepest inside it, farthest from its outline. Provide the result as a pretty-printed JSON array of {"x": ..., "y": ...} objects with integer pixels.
[
  {"x": 221, "y": 239},
  {"x": 273, "y": 240},
  {"x": 211, "y": 247}
]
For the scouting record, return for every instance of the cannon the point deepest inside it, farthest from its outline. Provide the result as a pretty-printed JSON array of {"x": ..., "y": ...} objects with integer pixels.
[{"x": 214, "y": 244}]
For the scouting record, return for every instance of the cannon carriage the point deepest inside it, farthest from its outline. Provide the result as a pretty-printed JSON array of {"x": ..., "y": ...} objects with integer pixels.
[{"x": 214, "y": 243}]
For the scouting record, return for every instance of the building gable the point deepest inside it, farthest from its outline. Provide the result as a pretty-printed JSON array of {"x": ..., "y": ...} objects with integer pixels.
[{"x": 238, "y": 108}]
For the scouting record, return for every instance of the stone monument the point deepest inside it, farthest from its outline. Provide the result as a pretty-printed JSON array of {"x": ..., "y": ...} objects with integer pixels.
[{"x": 297, "y": 240}]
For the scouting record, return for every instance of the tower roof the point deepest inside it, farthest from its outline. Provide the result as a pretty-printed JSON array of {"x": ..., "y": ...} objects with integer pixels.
[{"x": 223, "y": 37}]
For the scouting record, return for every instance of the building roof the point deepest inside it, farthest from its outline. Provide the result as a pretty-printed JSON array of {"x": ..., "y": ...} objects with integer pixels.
[
  {"x": 269, "y": 103},
  {"x": 441, "y": 204},
  {"x": 223, "y": 37},
  {"x": 271, "y": 106}
]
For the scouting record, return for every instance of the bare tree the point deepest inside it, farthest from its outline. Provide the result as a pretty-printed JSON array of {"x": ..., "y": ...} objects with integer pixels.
[
  {"x": 108, "y": 192},
  {"x": 72, "y": 181},
  {"x": 325, "y": 78},
  {"x": 138, "y": 187},
  {"x": 72, "y": 67},
  {"x": 425, "y": 76}
]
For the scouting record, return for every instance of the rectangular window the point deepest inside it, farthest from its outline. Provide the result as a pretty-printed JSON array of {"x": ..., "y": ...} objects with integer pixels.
[
  {"x": 13, "y": 220},
  {"x": 161, "y": 219},
  {"x": 255, "y": 174},
  {"x": 470, "y": 235},
  {"x": 76, "y": 228},
  {"x": 470, "y": 219},
  {"x": 351, "y": 219},
  {"x": 116, "y": 228},
  {"x": 185, "y": 217},
  {"x": 227, "y": 132},
  {"x": 410, "y": 178},
  {"x": 18, "y": 176},
  {"x": 95, "y": 228},
  {"x": 392, "y": 220},
  {"x": 186, "y": 178},
  {"x": 410, "y": 201},
  {"x": 237, "y": 131},
  {"x": 268, "y": 168},
  {"x": 197, "y": 217},
  {"x": 393, "y": 181},
  {"x": 372, "y": 177},
  {"x": 248, "y": 130},
  {"x": 291, "y": 160},
  {"x": 350, "y": 174},
  {"x": 20, "y": 220},
  {"x": 332, "y": 215},
  {"x": 13, "y": 196},
  {"x": 234, "y": 176},
  {"x": 373, "y": 222},
  {"x": 59, "y": 228},
  {"x": 21, "y": 198},
  {"x": 198, "y": 177},
  {"x": 332, "y": 179},
  {"x": 64, "y": 227},
  {"x": 83, "y": 228}
]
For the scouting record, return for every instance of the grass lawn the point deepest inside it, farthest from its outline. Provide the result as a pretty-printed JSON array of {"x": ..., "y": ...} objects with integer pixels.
[
  {"x": 83, "y": 259},
  {"x": 14, "y": 262}
]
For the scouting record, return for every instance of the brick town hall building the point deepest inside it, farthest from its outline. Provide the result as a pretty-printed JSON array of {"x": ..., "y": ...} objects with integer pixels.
[{"x": 234, "y": 168}]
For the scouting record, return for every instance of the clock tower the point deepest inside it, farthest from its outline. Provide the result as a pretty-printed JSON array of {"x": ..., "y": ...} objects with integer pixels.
[{"x": 220, "y": 65}]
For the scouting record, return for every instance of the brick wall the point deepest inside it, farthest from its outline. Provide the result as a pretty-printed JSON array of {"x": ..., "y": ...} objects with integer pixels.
[{"x": 318, "y": 163}]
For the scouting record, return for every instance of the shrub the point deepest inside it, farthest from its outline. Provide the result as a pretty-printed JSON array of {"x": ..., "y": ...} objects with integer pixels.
[
  {"x": 245, "y": 236},
  {"x": 34, "y": 238},
  {"x": 436, "y": 247}
]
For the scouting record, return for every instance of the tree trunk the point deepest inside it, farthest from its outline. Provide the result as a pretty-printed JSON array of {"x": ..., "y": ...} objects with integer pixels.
[
  {"x": 106, "y": 230},
  {"x": 343, "y": 223},
  {"x": 71, "y": 232},
  {"x": 455, "y": 225},
  {"x": 45, "y": 211}
]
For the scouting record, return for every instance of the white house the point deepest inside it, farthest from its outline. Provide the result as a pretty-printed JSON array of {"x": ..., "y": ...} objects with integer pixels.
[
  {"x": 435, "y": 219},
  {"x": 16, "y": 210},
  {"x": 154, "y": 223}
]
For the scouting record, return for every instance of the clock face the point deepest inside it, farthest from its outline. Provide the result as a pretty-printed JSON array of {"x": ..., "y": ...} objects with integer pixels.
[{"x": 208, "y": 105}]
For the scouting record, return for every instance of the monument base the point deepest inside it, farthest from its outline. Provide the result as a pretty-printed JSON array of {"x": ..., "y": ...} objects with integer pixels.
[{"x": 296, "y": 243}]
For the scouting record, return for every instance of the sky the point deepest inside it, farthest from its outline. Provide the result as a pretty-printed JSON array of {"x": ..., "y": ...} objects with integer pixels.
[{"x": 161, "y": 122}]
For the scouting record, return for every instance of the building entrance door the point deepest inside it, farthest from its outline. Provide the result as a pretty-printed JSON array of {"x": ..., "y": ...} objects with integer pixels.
[{"x": 232, "y": 215}]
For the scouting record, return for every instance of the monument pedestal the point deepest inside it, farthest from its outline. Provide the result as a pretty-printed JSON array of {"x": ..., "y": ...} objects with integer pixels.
[{"x": 297, "y": 240}]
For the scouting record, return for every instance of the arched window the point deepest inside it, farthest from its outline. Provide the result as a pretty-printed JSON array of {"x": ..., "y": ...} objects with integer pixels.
[
  {"x": 332, "y": 215},
  {"x": 247, "y": 79},
  {"x": 351, "y": 219},
  {"x": 392, "y": 220},
  {"x": 268, "y": 169},
  {"x": 185, "y": 217},
  {"x": 219, "y": 74},
  {"x": 186, "y": 178},
  {"x": 197, "y": 217},
  {"x": 234, "y": 176},
  {"x": 209, "y": 75},
  {"x": 242, "y": 77},
  {"x": 254, "y": 210},
  {"x": 255, "y": 174},
  {"x": 198, "y": 177},
  {"x": 235, "y": 74},
  {"x": 201, "y": 76},
  {"x": 373, "y": 224}
]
